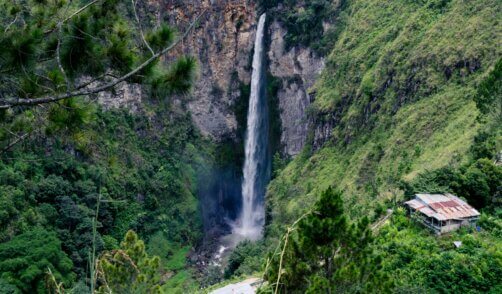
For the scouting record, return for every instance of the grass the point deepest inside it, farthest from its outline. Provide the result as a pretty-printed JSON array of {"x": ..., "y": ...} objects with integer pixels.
[
  {"x": 181, "y": 282},
  {"x": 178, "y": 259},
  {"x": 173, "y": 258}
]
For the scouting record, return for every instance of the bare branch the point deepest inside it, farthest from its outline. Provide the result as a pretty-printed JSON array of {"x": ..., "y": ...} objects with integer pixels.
[
  {"x": 279, "y": 272},
  {"x": 11, "y": 102},
  {"x": 140, "y": 29},
  {"x": 91, "y": 81},
  {"x": 79, "y": 11},
  {"x": 58, "y": 57},
  {"x": 10, "y": 24},
  {"x": 17, "y": 140},
  {"x": 73, "y": 15}
]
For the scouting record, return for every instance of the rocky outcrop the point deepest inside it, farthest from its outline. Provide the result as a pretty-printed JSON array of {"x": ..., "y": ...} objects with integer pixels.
[
  {"x": 222, "y": 42},
  {"x": 298, "y": 69},
  {"x": 124, "y": 95}
]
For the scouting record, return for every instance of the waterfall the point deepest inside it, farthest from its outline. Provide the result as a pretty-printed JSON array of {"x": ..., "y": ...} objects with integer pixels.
[{"x": 256, "y": 170}]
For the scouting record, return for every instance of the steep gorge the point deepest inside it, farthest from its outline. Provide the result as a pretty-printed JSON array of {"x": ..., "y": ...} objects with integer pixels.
[
  {"x": 223, "y": 46},
  {"x": 392, "y": 102}
]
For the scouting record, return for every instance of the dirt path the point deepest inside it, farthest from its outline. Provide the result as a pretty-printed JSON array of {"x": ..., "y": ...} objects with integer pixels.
[
  {"x": 379, "y": 223},
  {"x": 248, "y": 286}
]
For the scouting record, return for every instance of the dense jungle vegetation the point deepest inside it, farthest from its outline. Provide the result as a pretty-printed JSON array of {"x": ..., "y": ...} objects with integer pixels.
[{"x": 74, "y": 177}]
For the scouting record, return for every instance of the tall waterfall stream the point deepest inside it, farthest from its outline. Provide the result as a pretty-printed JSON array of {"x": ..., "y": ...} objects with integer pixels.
[
  {"x": 256, "y": 164},
  {"x": 256, "y": 169}
]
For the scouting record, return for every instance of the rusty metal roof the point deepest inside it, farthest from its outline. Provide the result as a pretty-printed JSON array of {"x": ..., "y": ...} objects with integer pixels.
[{"x": 442, "y": 206}]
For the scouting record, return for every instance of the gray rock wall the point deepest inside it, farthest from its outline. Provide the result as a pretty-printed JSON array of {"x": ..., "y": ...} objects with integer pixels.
[
  {"x": 223, "y": 44},
  {"x": 298, "y": 68}
]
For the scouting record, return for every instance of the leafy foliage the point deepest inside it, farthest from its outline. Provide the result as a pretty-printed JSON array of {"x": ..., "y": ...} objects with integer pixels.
[
  {"x": 245, "y": 259},
  {"x": 25, "y": 259},
  {"x": 419, "y": 262},
  {"x": 304, "y": 21},
  {"x": 143, "y": 168},
  {"x": 480, "y": 183},
  {"x": 490, "y": 91}
]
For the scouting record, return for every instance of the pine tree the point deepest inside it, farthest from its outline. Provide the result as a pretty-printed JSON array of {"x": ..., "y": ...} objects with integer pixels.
[
  {"x": 129, "y": 269},
  {"x": 326, "y": 253},
  {"x": 62, "y": 51}
]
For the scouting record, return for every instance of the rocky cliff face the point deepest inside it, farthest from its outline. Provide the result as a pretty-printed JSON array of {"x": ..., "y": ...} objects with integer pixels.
[
  {"x": 298, "y": 69},
  {"x": 223, "y": 44},
  {"x": 127, "y": 95}
]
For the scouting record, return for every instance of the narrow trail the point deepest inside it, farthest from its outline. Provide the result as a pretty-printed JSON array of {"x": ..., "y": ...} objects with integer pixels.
[
  {"x": 247, "y": 286},
  {"x": 380, "y": 222}
]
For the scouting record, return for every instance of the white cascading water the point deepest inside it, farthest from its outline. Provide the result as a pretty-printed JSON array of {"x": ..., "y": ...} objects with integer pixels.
[{"x": 256, "y": 170}]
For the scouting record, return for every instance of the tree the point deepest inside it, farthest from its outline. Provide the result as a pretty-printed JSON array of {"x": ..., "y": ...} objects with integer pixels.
[
  {"x": 478, "y": 182},
  {"x": 129, "y": 269},
  {"x": 59, "y": 42},
  {"x": 489, "y": 98},
  {"x": 326, "y": 253},
  {"x": 25, "y": 260},
  {"x": 481, "y": 184},
  {"x": 61, "y": 51}
]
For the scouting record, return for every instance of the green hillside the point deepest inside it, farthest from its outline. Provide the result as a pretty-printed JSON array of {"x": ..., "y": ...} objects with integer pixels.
[
  {"x": 399, "y": 89},
  {"x": 411, "y": 95}
]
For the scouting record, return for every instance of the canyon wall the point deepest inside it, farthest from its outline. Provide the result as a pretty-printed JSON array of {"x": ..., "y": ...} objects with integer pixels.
[
  {"x": 298, "y": 68},
  {"x": 222, "y": 42}
]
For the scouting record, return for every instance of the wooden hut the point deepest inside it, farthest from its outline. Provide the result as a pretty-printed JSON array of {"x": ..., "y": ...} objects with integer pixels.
[{"x": 442, "y": 212}]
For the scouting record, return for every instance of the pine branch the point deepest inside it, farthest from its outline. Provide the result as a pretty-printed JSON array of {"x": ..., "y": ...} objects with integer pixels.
[
  {"x": 79, "y": 11},
  {"x": 93, "y": 80},
  {"x": 6, "y": 103},
  {"x": 10, "y": 24},
  {"x": 285, "y": 237},
  {"x": 72, "y": 15}
]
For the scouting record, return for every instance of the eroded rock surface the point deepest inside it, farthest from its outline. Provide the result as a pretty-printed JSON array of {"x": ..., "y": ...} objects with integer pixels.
[
  {"x": 298, "y": 68},
  {"x": 222, "y": 43}
]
